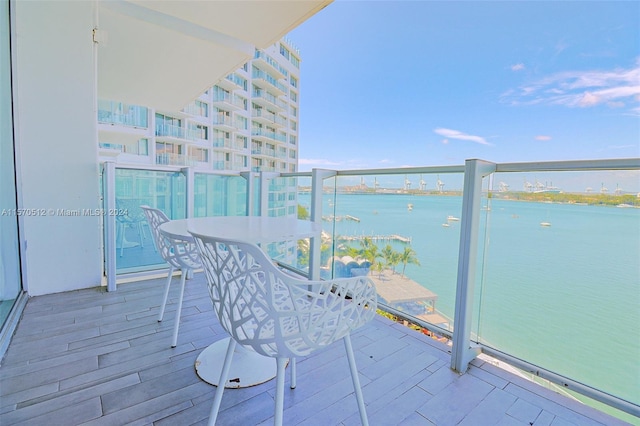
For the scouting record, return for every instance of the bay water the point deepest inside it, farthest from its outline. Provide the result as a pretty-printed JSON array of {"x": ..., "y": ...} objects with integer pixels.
[{"x": 557, "y": 284}]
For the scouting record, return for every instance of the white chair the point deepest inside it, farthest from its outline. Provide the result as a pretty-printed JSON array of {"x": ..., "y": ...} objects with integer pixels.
[
  {"x": 131, "y": 216},
  {"x": 179, "y": 254},
  {"x": 278, "y": 315}
]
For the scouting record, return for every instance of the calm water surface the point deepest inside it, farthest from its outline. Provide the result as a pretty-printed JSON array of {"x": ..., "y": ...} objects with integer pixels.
[{"x": 565, "y": 297}]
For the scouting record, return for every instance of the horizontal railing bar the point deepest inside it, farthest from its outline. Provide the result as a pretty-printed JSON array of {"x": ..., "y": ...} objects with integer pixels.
[
  {"x": 564, "y": 382},
  {"x": 574, "y": 165},
  {"x": 424, "y": 324},
  {"x": 402, "y": 170}
]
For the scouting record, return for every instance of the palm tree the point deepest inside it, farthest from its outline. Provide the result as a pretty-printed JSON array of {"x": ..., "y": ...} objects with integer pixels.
[
  {"x": 369, "y": 250},
  {"x": 408, "y": 256},
  {"x": 390, "y": 256}
]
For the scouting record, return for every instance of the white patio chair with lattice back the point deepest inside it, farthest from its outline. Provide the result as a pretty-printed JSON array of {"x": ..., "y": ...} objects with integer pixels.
[
  {"x": 278, "y": 315},
  {"x": 179, "y": 254}
]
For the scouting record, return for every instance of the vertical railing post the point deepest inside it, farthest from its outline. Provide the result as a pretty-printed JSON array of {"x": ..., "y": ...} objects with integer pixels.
[
  {"x": 317, "y": 178},
  {"x": 248, "y": 176},
  {"x": 462, "y": 351},
  {"x": 109, "y": 222},
  {"x": 265, "y": 180},
  {"x": 189, "y": 190}
]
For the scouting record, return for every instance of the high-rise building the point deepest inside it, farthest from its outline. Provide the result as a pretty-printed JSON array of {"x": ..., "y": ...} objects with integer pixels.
[{"x": 248, "y": 121}]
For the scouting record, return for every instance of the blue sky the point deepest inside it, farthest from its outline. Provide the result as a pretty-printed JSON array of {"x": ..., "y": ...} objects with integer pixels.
[{"x": 424, "y": 83}]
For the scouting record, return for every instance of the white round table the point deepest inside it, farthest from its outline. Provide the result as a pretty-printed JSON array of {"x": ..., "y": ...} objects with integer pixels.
[{"x": 248, "y": 368}]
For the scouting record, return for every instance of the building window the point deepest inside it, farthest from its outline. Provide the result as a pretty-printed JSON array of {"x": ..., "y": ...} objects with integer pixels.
[
  {"x": 293, "y": 96},
  {"x": 199, "y": 131},
  {"x": 295, "y": 61},
  {"x": 294, "y": 125},
  {"x": 294, "y": 111},
  {"x": 200, "y": 154},
  {"x": 293, "y": 81},
  {"x": 142, "y": 147},
  {"x": 284, "y": 51},
  {"x": 293, "y": 140},
  {"x": 241, "y": 123}
]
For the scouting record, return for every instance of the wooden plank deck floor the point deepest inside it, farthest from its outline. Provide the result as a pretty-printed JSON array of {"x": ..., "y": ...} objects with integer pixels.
[{"x": 97, "y": 358}]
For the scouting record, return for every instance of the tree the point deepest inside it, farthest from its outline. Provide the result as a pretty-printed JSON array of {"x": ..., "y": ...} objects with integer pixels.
[
  {"x": 303, "y": 213},
  {"x": 390, "y": 256},
  {"x": 408, "y": 256}
]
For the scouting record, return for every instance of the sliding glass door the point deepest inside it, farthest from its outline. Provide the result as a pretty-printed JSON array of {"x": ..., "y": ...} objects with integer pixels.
[{"x": 10, "y": 281}]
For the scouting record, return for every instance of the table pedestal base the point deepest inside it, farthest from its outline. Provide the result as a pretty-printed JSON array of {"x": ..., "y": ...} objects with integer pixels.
[{"x": 248, "y": 368}]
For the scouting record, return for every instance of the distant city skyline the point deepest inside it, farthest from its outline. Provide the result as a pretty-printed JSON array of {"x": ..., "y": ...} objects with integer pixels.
[{"x": 412, "y": 84}]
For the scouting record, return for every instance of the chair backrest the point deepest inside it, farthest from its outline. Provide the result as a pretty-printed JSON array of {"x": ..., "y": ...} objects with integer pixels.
[
  {"x": 178, "y": 253},
  {"x": 274, "y": 313}
]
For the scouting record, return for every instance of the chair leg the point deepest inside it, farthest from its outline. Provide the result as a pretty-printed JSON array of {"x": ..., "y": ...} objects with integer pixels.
[
  {"x": 122, "y": 230},
  {"x": 166, "y": 293},
  {"x": 356, "y": 380},
  {"x": 278, "y": 414},
  {"x": 176, "y": 323},
  {"x": 217, "y": 399},
  {"x": 294, "y": 374}
]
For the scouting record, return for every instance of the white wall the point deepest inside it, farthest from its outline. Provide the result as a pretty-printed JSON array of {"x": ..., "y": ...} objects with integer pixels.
[{"x": 56, "y": 136}]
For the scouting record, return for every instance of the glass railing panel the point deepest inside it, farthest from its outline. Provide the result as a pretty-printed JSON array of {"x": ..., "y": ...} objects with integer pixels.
[
  {"x": 122, "y": 114},
  {"x": 219, "y": 195},
  {"x": 283, "y": 200},
  {"x": 560, "y": 282},
  {"x": 403, "y": 231},
  {"x": 135, "y": 250}
]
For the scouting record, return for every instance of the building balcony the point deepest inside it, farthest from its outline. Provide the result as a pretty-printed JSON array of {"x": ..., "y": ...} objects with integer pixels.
[
  {"x": 268, "y": 118},
  {"x": 118, "y": 113},
  {"x": 170, "y": 159},
  {"x": 223, "y": 122},
  {"x": 229, "y": 101},
  {"x": 267, "y": 100},
  {"x": 267, "y": 135},
  {"x": 177, "y": 133},
  {"x": 268, "y": 82},
  {"x": 265, "y": 62},
  {"x": 233, "y": 82}
]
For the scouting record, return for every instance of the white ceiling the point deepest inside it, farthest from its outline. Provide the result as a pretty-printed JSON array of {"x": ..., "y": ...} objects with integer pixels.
[{"x": 164, "y": 54}]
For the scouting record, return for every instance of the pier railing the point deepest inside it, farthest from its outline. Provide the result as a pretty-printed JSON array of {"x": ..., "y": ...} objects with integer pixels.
[{"x": 482, "y": 257}]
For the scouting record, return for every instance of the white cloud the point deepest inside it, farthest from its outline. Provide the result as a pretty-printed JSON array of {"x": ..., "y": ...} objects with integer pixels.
[
  {"x": 543, "y": 138},
  {"x": 583, "y": 89},
  {"x": 456, "y": 134},
  {"x": 517, "y": 67}
]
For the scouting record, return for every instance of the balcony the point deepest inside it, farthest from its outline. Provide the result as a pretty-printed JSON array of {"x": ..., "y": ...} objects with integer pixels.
[
  {"x": 268, "y": 118},
  {"x": 117, "y": 113},
  {"x": 267, "y": 63},
  {"x": 267, "y": 100},
  {"x": 223, "y": 122},
  {"x": 114, "y": 360},
  {"x": 170, "y": 159},
  {"x": 268, "y": 82},
  {"x": 267, "y": 135},
  {"x": 172, "y": 132},
  {"x": 93, "y": 356},
  {"x": 229, "y": 101}
]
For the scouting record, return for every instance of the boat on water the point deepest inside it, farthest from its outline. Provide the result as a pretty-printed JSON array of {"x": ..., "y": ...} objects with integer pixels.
[
  {"x": 409, "y": 206},
  {"x": 446, "y": 225},
  {"x": 453, "y": 218},
  {"x": 546, "y": 224}
]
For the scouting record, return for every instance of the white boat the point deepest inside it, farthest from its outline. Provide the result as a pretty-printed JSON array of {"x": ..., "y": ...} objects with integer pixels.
[
  {"x": 453, "y": 219},
  {"x": 545, "y": 223},
  {"x": 446, "y": 225},
  {"x": 409, "y": 206}
]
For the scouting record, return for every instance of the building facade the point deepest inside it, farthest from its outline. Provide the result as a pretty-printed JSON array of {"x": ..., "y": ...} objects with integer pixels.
[{"x": 248, "y": 121}]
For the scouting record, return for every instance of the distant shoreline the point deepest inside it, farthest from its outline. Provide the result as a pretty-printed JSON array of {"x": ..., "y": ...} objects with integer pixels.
[{"x": 623, "y": 200}]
